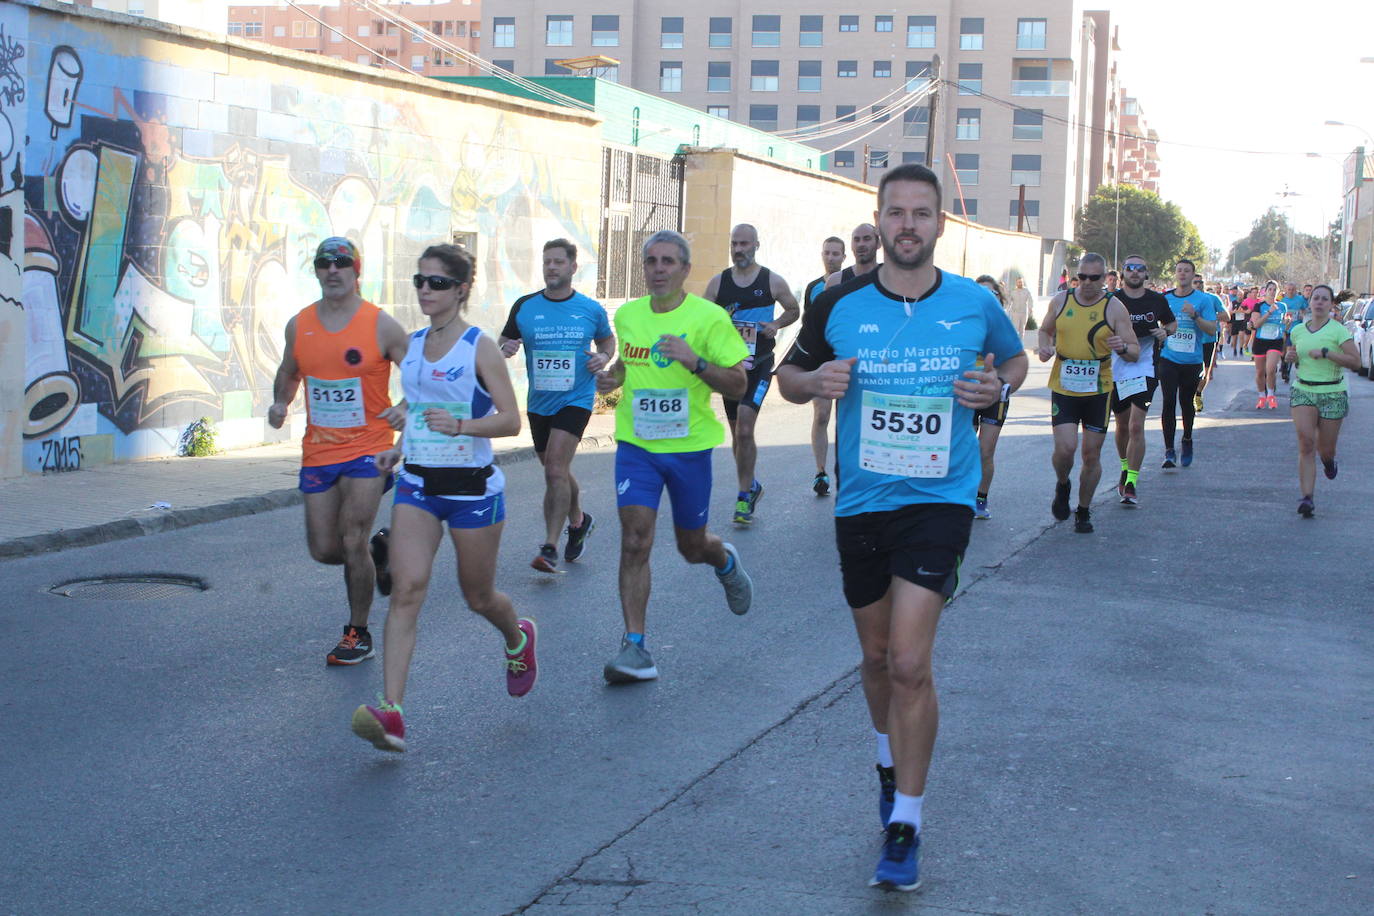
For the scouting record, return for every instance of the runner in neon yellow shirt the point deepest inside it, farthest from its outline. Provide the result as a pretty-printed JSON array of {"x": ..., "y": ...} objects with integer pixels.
[{"x": 675, "y": 349}]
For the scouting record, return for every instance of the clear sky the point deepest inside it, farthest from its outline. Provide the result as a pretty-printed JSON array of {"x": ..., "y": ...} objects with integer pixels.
[{"x": 1220, "y": 75}]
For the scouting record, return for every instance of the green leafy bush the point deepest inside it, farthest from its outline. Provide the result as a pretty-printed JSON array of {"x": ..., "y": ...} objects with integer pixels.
[{"x": 198, "y": 440}]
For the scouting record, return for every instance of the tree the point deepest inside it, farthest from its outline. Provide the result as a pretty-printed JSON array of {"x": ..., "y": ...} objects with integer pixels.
[
  {"x": 1152, "y": 228},
  {"x": 1267, "y": 233}
]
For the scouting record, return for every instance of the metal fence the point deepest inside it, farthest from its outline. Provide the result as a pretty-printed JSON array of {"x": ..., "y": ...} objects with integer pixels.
[{"x": 640, "y": 194}]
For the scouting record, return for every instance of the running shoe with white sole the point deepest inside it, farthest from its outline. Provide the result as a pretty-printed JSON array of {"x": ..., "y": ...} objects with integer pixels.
[
  {"x": 980, "y": 508},
  {"x": 632, "y": 664},
  {"x": 354, "y": 647},
  {"x": 521, "y": 668},
  {"x": 899, "y": 866},
  {"x": 1128, "y": 496},
  {"x": 546, "y": 560},
  {"x": 1170, "y": 459},
  {"x": 739, "y": 588},
  {"x": 382, "y": 725}
]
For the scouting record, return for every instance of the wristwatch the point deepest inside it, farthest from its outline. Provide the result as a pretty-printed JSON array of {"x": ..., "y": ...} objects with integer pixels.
[{"x": 700, "y": 366}]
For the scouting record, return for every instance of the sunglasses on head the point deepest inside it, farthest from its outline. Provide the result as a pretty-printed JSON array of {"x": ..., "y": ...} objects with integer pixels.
[
  {"x": 1136, "y": 267},
  {"x": 436, "y": 283},
  {"x": 1092, "y": 278},
  {"x": 341, "y": 261}
]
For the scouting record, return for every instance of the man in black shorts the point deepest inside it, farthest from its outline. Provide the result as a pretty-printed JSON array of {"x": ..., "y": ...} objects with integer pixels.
[
  {"x": 832, "y": 260},
  {"x": 748, "y": 291},
  {"x": 1133, "y": 384},
  {"x": 558, "y": 325}
]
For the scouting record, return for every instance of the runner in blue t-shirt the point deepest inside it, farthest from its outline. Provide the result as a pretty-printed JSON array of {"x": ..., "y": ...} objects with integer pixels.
[
  {"x": 1267, "y": 347},
  {"x": 1209, "y": 344},
  {"x": 1180, "y": 359},
  {"x": 557, "y": 326},
  {"x": 1294, "y": 309},
  {"x": 897, "y": 349}
]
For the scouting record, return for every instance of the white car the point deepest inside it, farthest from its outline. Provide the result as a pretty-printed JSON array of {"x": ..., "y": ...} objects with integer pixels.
[{"x": 1361, "y": 327}]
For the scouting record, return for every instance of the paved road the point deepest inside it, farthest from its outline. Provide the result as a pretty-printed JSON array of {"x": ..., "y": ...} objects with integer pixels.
[{"x": 1172, "y": 715}]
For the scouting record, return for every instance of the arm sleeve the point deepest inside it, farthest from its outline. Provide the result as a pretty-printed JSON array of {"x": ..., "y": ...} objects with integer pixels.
[
  {"x": 811, "y": 348},
  {"x": 512, "y": 330}
]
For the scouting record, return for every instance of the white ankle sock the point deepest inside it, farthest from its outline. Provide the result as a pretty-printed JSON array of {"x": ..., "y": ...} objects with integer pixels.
[
  {"x": 884, "y": 749},
  {"x": 907, "y": 810}
]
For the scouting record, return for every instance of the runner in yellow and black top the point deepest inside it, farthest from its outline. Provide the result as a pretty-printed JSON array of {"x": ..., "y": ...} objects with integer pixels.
[{"x": 1081, "y": 330}]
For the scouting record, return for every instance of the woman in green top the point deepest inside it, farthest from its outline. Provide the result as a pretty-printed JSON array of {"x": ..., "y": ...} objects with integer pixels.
[{"x": 1321, "y": 348}]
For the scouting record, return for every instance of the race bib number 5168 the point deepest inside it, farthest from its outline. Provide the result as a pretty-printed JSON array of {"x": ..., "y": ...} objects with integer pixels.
[{"x": 905, "y": 436}]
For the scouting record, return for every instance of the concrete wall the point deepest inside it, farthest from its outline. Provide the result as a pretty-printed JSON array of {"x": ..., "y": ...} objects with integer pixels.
[
  {"x": 167, "y": 203},
  {"x": 795, "y": 211}
]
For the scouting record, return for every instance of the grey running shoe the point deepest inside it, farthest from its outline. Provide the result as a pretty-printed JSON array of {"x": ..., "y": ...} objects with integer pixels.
[
  {"x": 739, "y": 588},
  {"x": 632, "y": 664}
]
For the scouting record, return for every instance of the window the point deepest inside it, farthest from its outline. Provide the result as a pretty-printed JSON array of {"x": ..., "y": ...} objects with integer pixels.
[
  {"x": 763, "y": 117},
  {"x": 847, "y": 68},
  {"x": 882, "y": 23},
  {"x": 507, "y": 65},
  {"x": 877, "y": 159},
  {"x": 808, "y": 115},
  {"x": 364, "y": 31},
  {"x": 1028, "y": 124},
  {"x": 503, "y": 32},
  {"x": 808, "y": 76},
  {"x": 417, "y": 63},
  {"x": 763, "y": 75},
  {"x": 610, "y": 74},
  {"x": 720, "y": 111},
  {"x": 845, "y": 113},
  {"x": 718, "y": 76},
  {"x": 917, "y": 74},
  {"x": 1030, "y": 34},
  {"x": 970, "y": 79},
  {"x": 335, "y": 36},
  {"x": 916, "y": 124},
  {"x": 767, "y": 31},
  {"x": 552, "y": 68},
  {"x": 236, "y": 28},
  {"x": 670, "y": 32},
  {"x": 966, "y": 207},
  {"x": 670, "y": 76},
  {"x": 417, "y": 36},
  {"x": 849, "y": 23},
  {"x": 920, "y": 31},
  {"x": 1032, "y": 215},
  {"x": 363, "y": 59},
  {"x": 966, "y": 168},
  {"x": 811, "y": 34},
  {"x": 1025, "y": 169},
  {"x": 880, "y": 113},
  {"x": 558, "y": 31},
  {"x": 135, "y": 8},
  {"x": 910, "y": 158},
  {"x": 606, "y": 31},
  {"x": 722, "y": 29},
  {"x": 252, "y": 29},
  {"x": 968, "y": 124},
  {"x": 475, "y": 29},
  {"x": 970, "y": 34},
  {"x": 882, "y": 69},
  {"x": 1131, "y": 108},
  {"x": 843, "y": 159},
  {"x": 1033, "y": 70},
  {"x": 279, "y": 31}
]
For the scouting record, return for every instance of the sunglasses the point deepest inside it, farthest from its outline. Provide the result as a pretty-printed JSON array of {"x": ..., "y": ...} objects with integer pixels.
[
  {"x": 343, "y": 262},
  {"x": 1092, "y": 278},
  {"x": 436, "y": 283},
  {"x": 1135, "y": 267}
]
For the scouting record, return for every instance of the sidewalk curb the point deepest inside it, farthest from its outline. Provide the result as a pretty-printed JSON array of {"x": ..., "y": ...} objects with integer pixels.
[{"x": 157, "y": 521}]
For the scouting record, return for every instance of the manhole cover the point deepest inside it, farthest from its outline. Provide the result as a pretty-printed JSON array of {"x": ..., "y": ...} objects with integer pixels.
[{"x": 139, "y": 587}]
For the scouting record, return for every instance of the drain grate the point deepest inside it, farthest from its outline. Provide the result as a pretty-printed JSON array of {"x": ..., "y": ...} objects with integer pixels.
[{"x": 137, "y": 587}]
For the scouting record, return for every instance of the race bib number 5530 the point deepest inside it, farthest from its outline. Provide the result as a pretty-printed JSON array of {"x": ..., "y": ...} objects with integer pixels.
[{"x": 905, "y": 436}]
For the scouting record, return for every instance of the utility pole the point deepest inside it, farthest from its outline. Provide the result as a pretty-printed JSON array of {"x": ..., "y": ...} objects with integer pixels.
[
  {"x": 934, "y": 109},
  {"x": 865, "y": 171}
]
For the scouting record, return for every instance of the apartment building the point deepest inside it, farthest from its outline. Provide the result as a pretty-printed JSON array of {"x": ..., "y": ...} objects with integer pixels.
[
  {"x": 1139, "y": 153},
  {"x": 200, "y": 14},
  {"x": 350, "y": 31},
  {"x": 1021, "y": 121}
]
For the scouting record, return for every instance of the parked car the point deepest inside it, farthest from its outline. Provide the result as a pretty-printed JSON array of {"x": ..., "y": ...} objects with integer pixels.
[{"x": 1361, "y": 327}]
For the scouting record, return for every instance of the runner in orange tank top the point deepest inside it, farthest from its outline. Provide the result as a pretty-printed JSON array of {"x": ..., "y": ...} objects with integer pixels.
[{"x": 342, "y": 348}]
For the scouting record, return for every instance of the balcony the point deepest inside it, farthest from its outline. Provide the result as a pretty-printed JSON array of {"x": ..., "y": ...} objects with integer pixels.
[{"x": 1040, "y": 87}]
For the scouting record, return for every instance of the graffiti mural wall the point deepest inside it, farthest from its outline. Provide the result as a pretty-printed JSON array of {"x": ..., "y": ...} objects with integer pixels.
[{"x": 169, "y": 198}]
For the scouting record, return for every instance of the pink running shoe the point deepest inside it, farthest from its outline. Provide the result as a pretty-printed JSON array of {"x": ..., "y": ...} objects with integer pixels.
[
  {"x": 521, "y": 669},
  {"x": 382, "y": 725},
  {"x": 1273, "y": 402},
  {"x": 1261, "y": 403}
]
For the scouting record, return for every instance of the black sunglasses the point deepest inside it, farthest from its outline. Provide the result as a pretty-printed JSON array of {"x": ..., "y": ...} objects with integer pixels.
[
  {"x": 343, "y": 262},
  {"x": 1136, "y": 267},
  {"x": 436, "y": 283},
  {"x": 1092, "y": 278}
]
